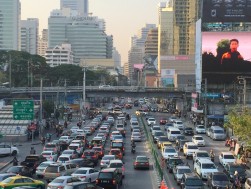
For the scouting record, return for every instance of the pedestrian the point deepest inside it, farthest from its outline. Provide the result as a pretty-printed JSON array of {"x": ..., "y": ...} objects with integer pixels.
[
  {"x": 32, "y": 151},
  {"x": 231, "y": 145}
]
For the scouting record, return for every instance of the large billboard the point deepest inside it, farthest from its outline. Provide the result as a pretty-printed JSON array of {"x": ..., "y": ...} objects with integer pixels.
[
  {"x": 226, "y": 11},
  {"x": 225, "y": 55},
  {"x": 167, "y": 77}
]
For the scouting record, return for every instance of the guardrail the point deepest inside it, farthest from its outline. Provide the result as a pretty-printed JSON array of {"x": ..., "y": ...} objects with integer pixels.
[{"x": 154, "y": 151}]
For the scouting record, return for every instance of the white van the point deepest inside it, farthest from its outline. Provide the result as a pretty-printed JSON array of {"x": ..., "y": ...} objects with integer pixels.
[
  {"x": 178, "y": 124},
  {"x": 172, "y": 133},
  {"x": 217, "y": 133}
]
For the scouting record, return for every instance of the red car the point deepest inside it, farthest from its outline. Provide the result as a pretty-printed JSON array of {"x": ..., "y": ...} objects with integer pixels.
[
  {"x": 162, "y": 121},
  {"x": 99, "y": 150},
  {"x": 117, "y": 152}
]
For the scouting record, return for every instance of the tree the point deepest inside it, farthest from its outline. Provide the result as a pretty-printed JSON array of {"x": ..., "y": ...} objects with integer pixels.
[{"x": 240, "y": 123}]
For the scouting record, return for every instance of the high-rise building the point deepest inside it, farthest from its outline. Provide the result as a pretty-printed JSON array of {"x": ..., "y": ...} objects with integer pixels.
[
  {"x": 10, "y": 11},
  {"x": 61, "y": 54},
  {"x": 29, "y": 35},
  {"x": 176, "y": 48},
  {"x": 85, "y": 34},
  {"x": 151, "y": 44},
  {"x": 81, "y": 6},
  {"x": 43, "y": 43},
  {"x": 137, "y": 51},
  {"x": 116, "y": 57}
]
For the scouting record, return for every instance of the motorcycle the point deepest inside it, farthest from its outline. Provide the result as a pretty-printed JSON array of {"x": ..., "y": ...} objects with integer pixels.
[
  {"x": 133, "y": 150},
  {"x": 15, "y": 162},
  {"x": 212, "y": 157}
]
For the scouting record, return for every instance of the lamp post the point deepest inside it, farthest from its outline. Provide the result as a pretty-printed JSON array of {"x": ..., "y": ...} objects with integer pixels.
[
  {"x": 41, "y": 106},
  {"x": 10, "y": 73},
  {"x": 84, "y": 88}
]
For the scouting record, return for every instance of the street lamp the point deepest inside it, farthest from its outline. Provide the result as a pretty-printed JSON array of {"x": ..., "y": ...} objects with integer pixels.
[{"x": 84, "y": 88}]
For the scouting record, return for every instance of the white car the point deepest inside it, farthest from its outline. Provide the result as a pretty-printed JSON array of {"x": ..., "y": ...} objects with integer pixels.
[
  {"x": 200, "y": 129},
  {"x": 198, "y": 140},
  {"x": 168, "y": 152},
  {"x": 6, "y": 149},
  {"x": 225, "y": 158},
  {"x": 136, "y": 136},
  {"x": 86, "y": 174},
  {"x": 40, "y": 169},
  {"x": 179, "y": 171},
  {"x": 178, "y": 124},
  {"x": 106, "y": 160},
  {"x": 77, "y": 147},
  {"x": 201, "y": 154},
  {"x": 50, "y": 155},
  {"x": 155, "y": 128},
  {"x": 151, "y": 121},
  {"x": 64, "y": 158},
  {"x": 189, "y": 148},
  {"x": 66, "y": 139},
  {"x": 203, "y": 167},
  {"x": 119, "y": 165},
  {"x": 74, "y": 129},
  {"x": 172, "y": 119},
  {"x": 61, "y": 182}
]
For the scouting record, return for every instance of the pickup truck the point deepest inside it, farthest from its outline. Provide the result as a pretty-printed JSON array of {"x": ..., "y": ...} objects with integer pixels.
[{"x": 33, "y": 161}]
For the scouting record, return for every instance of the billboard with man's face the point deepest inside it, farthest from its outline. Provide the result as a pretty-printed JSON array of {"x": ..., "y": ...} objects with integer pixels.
[
  {"x": 226, "y": 11},
  {"x": 225, "y": 55}
]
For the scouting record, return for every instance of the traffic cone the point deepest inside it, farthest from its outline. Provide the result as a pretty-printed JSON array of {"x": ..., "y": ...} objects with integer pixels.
[{"x": 162, "y": 185}]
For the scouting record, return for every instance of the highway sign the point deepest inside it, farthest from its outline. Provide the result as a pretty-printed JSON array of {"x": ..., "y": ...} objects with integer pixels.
[{"x": 23, "y": 109}]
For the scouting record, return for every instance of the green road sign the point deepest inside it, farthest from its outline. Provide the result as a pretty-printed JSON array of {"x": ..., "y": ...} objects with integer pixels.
[{"x": 23, "y": 109}]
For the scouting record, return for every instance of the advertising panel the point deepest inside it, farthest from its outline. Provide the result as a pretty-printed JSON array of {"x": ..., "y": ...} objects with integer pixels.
[
  {"x": 225, "y": 55},
  {"x": 167, "y": 77},
  {"x": 226, "y": 11}
]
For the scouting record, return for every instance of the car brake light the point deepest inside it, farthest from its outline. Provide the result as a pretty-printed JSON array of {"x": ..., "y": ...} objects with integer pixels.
[
  {"x": 58, "y": 174},
  {"x": 94, "y": 156},
  {"x": 123, "y": 168},
  {"x": 83, "y": 156},
  {"x": 113, "y": 181},
  {"x": 136, "y": 163},
  {"x": 123, "y": 149},
  {"x": 78, "y": 148},
  {"x": 83, "y": 177},
  {"x": 97, "y": 181},
  {"x": 60, "y": 187}
]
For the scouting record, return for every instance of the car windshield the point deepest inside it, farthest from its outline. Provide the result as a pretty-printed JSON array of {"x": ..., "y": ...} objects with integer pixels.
[
  {"x": 136, "y": 134},
  {"x": 50, "y": 146},
  {"x": 170, "y": 150},
  {"x": 202, "y": 154},
  {"x": 164, "y": 139},
  {"x": 220, "y": 178},
  {"x": 117, "y": 144},
  {"x": 116, "y": 165},
  {"x": 120, "y": 126},
  {"x": 200, "y": 127},
  {"x": 51, "y": 169},
  {"x": 103, "y": 175},
  {"x": 151, "y": 119},
  {"x": 142, "y": 159},
  {"x": 229, "y": 157},
  {"x": 7, "y": 180},
  {"x": 46, "y": 153},
  {"x": 189, "y": 129},
  {"x": 182, "y": 171},
  {"x": 218, "y": 131},
  {"x": 194, "y": 182},
  {"x": 208, "y": 166},
  {"x": 108, "y": 157},
  {"x": 179, "y": 122},
  {"x": 192, "y": 147},
  {"x": 175, "y": 132},
  {"x": 58, "y": 180},
  {"x": 175, "y": 161},
  {"x": 198, "y": 138},
  {"x": 159, "y": 134},
  {"x": 181, "y": 137},
  {"x": 156, "y": 128},
  {"x": 44, "y": 164},
  {"x": 236, "y": 168},
  {"x": 63, "y": 159},
  {"x": 67, "y": 152},
  {"x": 80, "y": 171},
  {"x": 89, "y": 153}
]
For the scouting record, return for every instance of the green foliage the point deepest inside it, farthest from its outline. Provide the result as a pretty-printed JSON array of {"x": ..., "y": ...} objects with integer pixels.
[
  {"x": 240, "y": 122},
  {"x": 222, "y": 47},
  {"x": 48, "y": 108}
]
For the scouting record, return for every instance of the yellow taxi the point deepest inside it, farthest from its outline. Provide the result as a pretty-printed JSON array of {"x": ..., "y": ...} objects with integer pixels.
[
  {"x": 18, "y": 180},
  {"x": 165, "y": 144}
]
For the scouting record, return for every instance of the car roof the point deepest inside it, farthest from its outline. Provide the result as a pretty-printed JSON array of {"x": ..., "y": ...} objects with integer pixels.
[
  {"x": 191, "y": 143},
  {"x": 204, "y": 160},
  {"x": 64, "y": 177},
  {"x": 84, "y": 168},
  {"x": 226, "y": 153},
  {"x": 191, "y": 175},
  {"x": 108, "y": 170},
  {"x": 116, "y": 161},
  {"x": 183, "y": 167}
]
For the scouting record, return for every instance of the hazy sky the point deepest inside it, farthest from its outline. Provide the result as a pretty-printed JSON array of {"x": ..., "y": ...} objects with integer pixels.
[{"x": 123, "y": 17}]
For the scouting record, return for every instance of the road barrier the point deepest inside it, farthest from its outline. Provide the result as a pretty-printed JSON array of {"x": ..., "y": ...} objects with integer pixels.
[{"x": 157, "y": 159}]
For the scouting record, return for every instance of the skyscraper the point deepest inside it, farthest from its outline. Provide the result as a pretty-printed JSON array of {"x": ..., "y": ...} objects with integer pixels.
[
  {"x": 10, "y": 24},
  {"x": 85, "y": 34},
  {"x": 43, "y": 43},
  {"x": 176, "y": 48},
  {"x": 81, "y": 6},
  {"x": 29, "y": 35}
]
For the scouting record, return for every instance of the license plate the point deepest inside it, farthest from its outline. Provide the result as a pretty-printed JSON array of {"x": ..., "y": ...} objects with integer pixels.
[
  {"x": 104, "y": 181},
  {"x": 142, "y": 163}
]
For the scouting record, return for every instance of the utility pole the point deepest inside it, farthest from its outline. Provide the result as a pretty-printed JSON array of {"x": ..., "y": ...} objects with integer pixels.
[
  {"x": 205, "y": 103},
  {"x": 65, "y": 92},
  {"x": 10, "y": 72},
  {"x": 84, "y": 87},
  {"x": 41, "y": 107}
]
